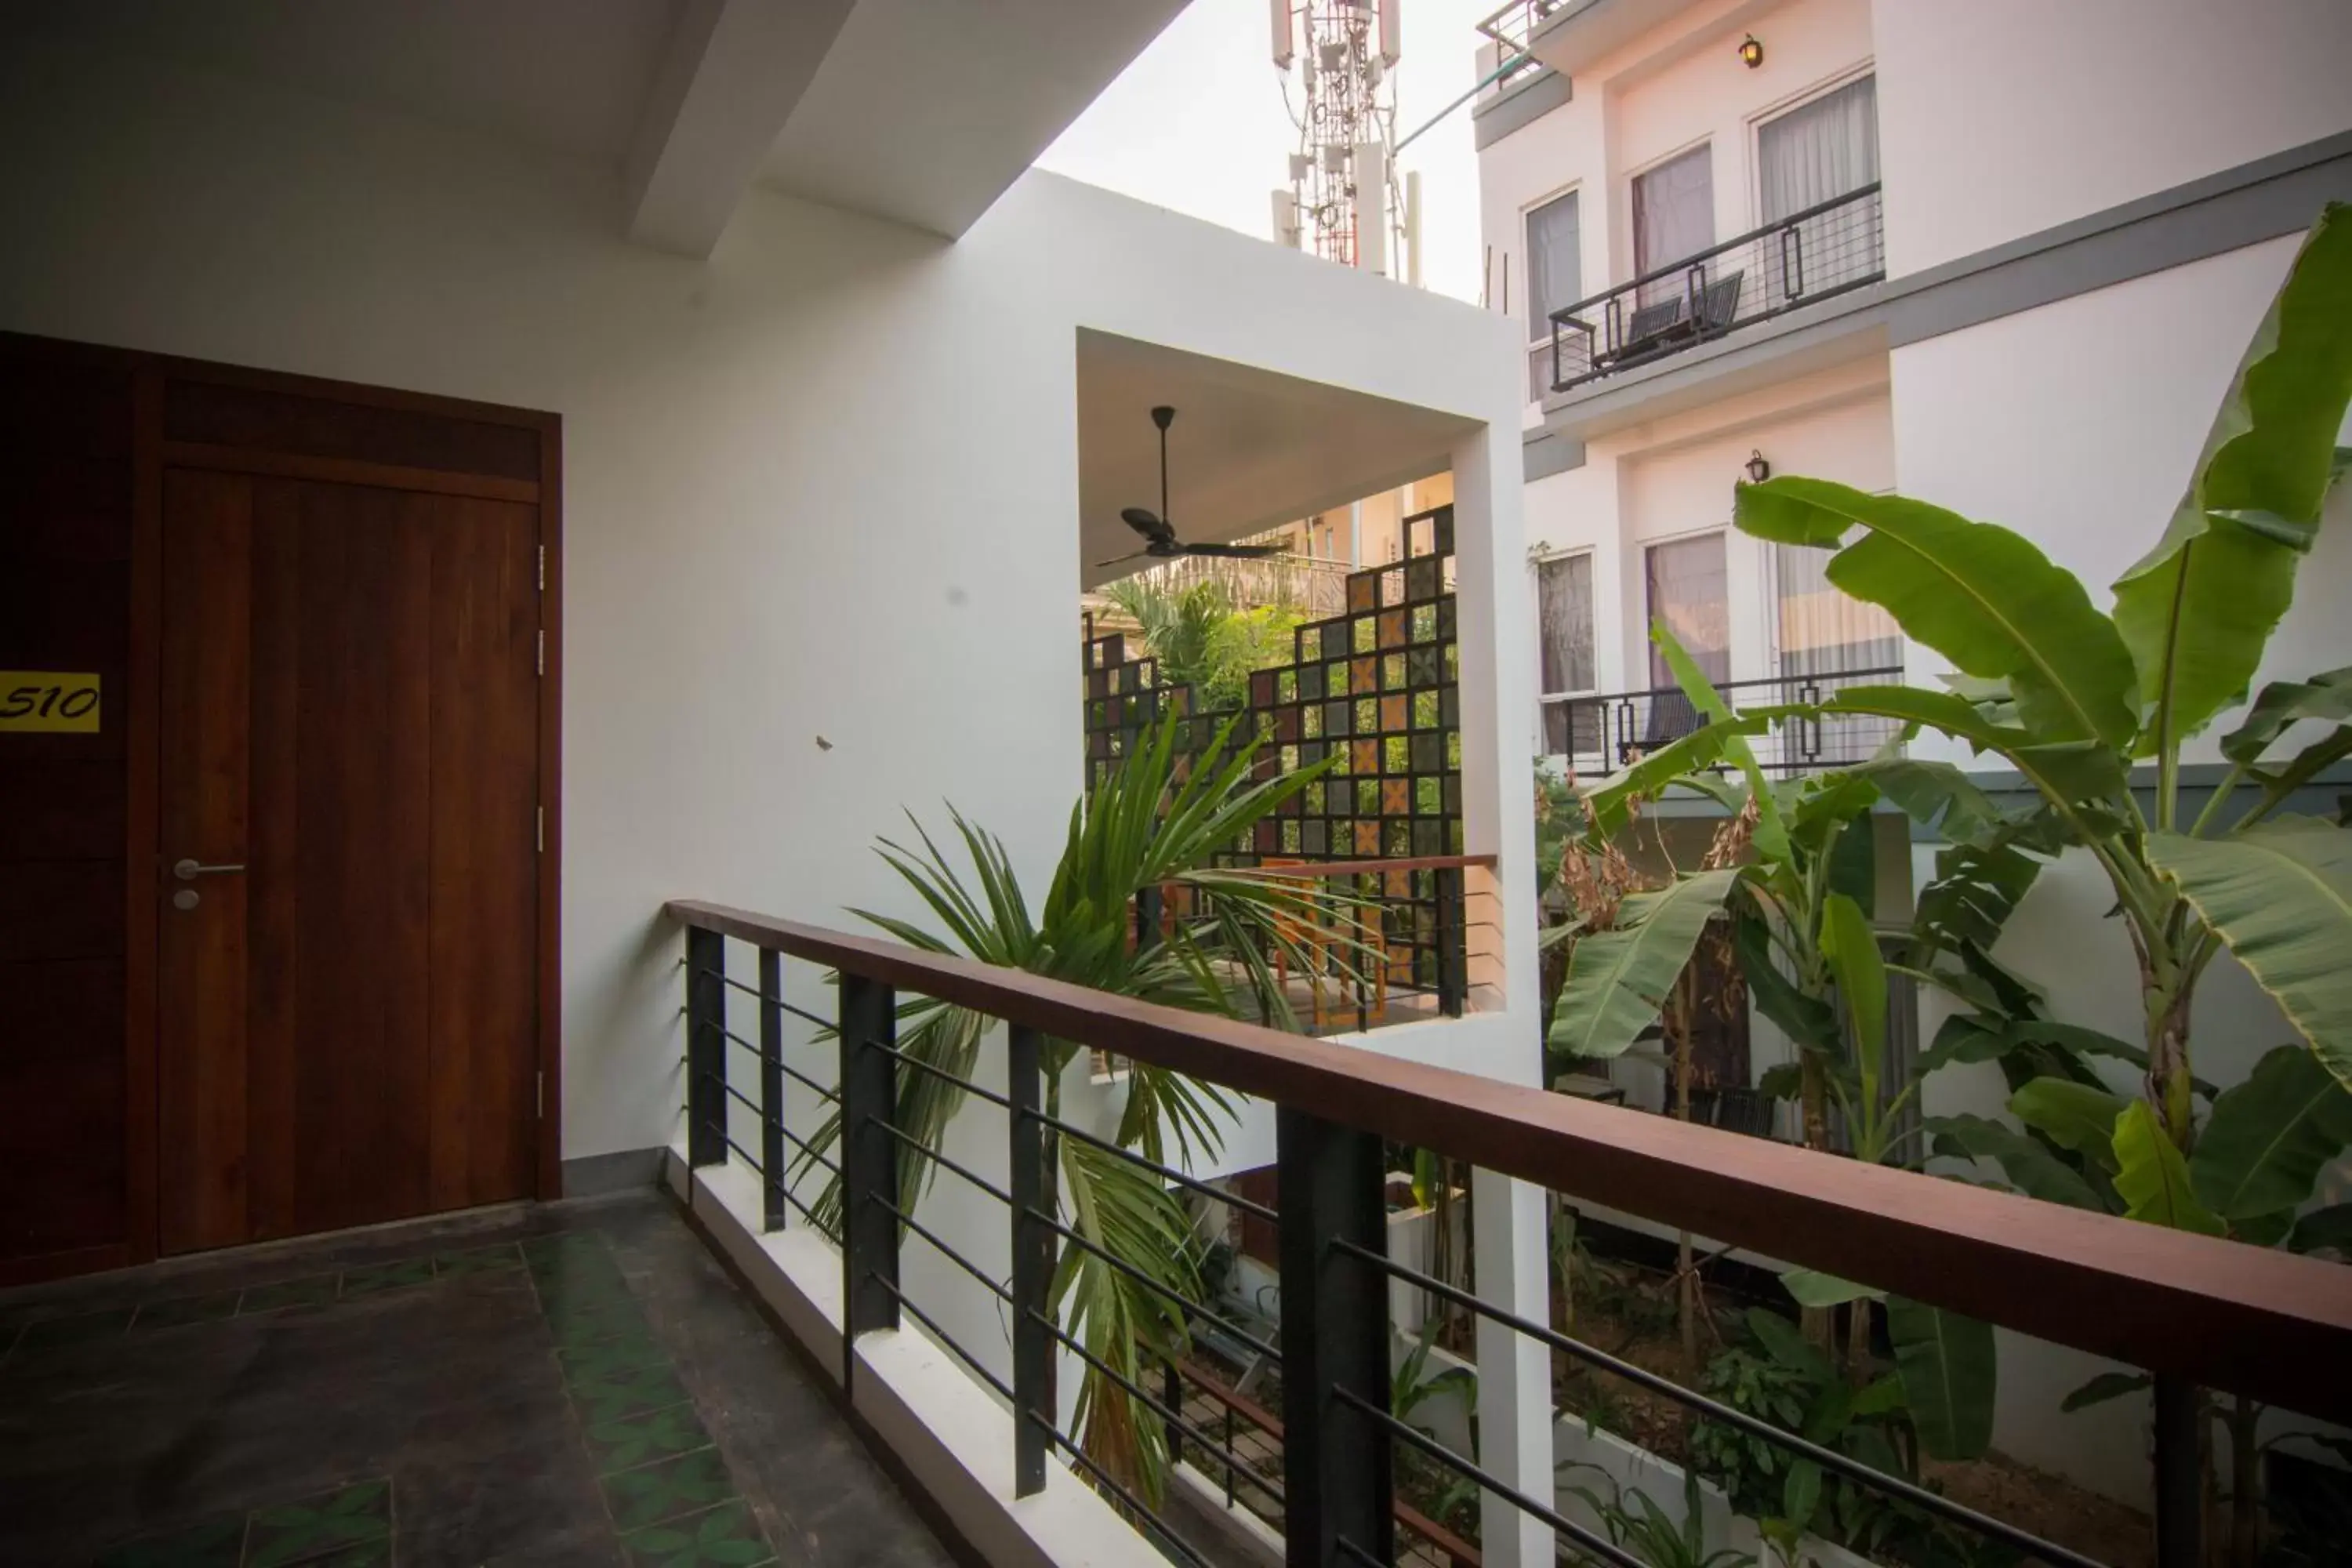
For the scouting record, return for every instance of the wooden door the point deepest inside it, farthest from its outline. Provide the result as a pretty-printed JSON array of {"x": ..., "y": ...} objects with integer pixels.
[{"x": 348, "y": 872}]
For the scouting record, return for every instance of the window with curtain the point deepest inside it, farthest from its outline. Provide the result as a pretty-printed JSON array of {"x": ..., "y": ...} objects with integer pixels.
[
  {"x": 1688, "y": 588},
  {"x": 1816, "y": 152},
  {"x": 1821, "y": 635},
  {"x": 1673, "y": 217},
  {"x": 1564, "y": 654},
  {"x": 1555, "y": 280}
]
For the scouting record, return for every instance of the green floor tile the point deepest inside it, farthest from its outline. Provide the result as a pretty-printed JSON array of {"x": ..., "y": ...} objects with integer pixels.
[
  {"x": 81, "y": 1329},
  {"x": 578, "y": 1326},
  {"x": 302, "y": 1530},
  {"x": 382, "y": 1277},
  {"x": 652, "y": 1493},
  {"x": 215, "y": 1543},
  {"x": 727, "y": 1534},
  {"x": 625, "y": 1352},
  {"x": 179, "y": 1310},
  {"x": 625, "y": 1394},
  {"x": 478, "y": 1260},
  {"x": 632, "y": 1440},
  {"x": 313, "y": 1290}
]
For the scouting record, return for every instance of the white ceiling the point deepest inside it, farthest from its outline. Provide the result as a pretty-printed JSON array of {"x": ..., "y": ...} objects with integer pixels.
[
  {"x": 927, "y": 110},
  {"x": 1250, "y": 449},
  {"x": 923, "y": 112},
  {"x": 563, "y": 75}
]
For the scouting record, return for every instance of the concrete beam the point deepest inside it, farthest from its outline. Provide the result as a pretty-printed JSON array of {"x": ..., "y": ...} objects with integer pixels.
[{"x": 734, "y": 72}]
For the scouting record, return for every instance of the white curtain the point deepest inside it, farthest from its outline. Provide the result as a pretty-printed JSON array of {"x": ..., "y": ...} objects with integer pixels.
[
  {"x": 1555, "y": 264},
  {"x": 1564, "y": 653},
  {"x": 1825, "y": 634},
  {"x": 1816, "y": 152},
  {"x": 1689, "y": 589},
  {"x": 1673, "y": 217}
]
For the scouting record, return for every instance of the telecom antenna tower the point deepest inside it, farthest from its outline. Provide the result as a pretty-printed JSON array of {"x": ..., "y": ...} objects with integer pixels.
[{"x": 1343, "y": 202}]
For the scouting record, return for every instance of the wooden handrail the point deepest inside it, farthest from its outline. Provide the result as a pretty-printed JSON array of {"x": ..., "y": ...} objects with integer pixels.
[
  {"x": 2220, "y": 1314},
  {"x": 1463, "y": 1554},
  {"x": 1304, "y": 869}
]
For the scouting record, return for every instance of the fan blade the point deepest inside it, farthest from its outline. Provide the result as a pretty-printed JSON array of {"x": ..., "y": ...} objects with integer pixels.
[
  {"x": 1238, "y": 552},
  {"x": 1146, "y": 524},
  {"x": 1122, "y": 560}
]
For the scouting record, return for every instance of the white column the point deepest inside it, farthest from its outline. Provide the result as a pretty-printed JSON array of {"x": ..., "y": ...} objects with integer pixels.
[{"x": 1514, "y": 1371}]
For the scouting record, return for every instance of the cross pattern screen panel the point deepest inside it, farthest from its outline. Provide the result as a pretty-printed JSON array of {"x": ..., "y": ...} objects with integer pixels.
[{"x": 1377, "y": 691}]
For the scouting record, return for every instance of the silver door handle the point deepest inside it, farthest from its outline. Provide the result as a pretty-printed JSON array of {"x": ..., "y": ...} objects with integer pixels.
[{"x": 188, "y": 870}]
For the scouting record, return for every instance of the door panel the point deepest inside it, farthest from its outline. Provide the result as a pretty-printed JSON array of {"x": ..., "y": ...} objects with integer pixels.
[{"x": 350, "y": 713}]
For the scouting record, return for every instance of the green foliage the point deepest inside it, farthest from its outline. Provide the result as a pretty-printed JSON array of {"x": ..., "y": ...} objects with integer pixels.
[
  {"x": 1618, "y": 980},
  {"x": 1202, "y": 639},
  {"x": 1142, "y": 828},
  {"x": 2153, "y": 1179},
  {"x": 1946, "y": 1364},
  {"x": 2071, "y": 696},
  {"x": 2269, "y": 1138},
  {"x": 1647, "y": 1530},
  {"x": 1415, "y": 1385}
]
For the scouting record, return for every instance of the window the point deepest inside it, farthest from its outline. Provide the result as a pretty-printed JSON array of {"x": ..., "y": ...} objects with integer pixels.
[
  {"x": 1822, "y": 638},
  {"x": 1564, "y": 655},
  {"x": 1555, "y": 263},
  {"x": 1688, "y": 588},
  {"x": 1673, "y": 217},
  {"x": 1555, "y": 280},
  {"x": 1817, "y": 152}
]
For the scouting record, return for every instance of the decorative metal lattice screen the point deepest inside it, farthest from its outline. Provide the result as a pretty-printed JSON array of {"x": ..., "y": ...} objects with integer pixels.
[{"x": 1377, "y": 690}]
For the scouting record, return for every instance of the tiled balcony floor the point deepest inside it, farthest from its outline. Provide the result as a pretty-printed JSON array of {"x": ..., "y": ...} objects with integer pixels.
[{"x": 571, "y": 1384}]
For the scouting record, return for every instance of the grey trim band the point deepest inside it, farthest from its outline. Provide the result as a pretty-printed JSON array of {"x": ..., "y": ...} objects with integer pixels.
[
  {"x": 1545, "y": 454},
  {"x": 1520, "y": 105},
  {"x": 2271, "y": 196},
  {"x": 624, "y": 1169}
]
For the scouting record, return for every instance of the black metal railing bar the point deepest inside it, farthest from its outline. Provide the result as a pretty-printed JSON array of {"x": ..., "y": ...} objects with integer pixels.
[
  {"x": 945, "y": 1340},
  {"x": 940, "y": 1245},
  {"x": 1102, "y": 1477},
  {"x": 1167, "y": 1292},
  {"x": 1165, "y": 1173},
  {"x": 1157, "y": 1407},
  {"x": 1586, "y": 1539},
  {"x": 907, "y": 1140},
  {"x": 1716, "y": 1410}
]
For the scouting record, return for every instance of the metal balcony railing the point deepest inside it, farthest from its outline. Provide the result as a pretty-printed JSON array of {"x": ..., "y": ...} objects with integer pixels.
[
  {"x": 1512, "y": 24},
  {"x": 2200, "y": 1312},
  {"x": 1826, "y": 250},
  {"x": 1603, "y": 733}
]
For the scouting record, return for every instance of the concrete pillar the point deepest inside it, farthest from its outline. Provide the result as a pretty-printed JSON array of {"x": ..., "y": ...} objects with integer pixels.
[{"x": 1515, "y": 1410}]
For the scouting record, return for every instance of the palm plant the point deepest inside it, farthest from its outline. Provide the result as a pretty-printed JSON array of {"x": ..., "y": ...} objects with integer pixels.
[
  {"x": 1160, "y": 821},
  {"x": 2072, "y": 697}
]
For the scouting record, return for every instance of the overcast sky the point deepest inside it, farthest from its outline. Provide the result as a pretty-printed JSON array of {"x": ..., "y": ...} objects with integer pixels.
[{"x": 1197, "y": 124}]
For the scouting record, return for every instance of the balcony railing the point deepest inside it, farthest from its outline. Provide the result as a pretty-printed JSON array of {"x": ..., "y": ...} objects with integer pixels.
[
  {"x": 1826, "y": 250},
  {"x": 2196, "y": 1312},
  {"x": 1601, "y": 734},
  {"x": 1511, "y": 26}
]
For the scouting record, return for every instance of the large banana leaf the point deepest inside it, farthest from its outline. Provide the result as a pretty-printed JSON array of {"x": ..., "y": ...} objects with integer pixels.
[
  {"x": 1618, "y": 980},
  {"x": 2063, "y": 770},
  {"x": 1982, "y": 596},
  {"x": 2326, "y": 697},
  {"x": 2072, "y": 1115},
  {"x": 2154, "y": 1178},
  {"x": 2269, "y": 1138},
  {"x": 1949, "y": 1371},
  {"x": 2280, "y": 894},
  {"x": 2198, "y": 609},
  {"x": 2031, "y": 1168}
]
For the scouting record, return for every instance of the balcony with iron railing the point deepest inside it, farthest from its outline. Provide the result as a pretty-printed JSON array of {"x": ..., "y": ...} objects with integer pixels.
[
  {"x": 977, "y": 1415},
  {"x": 1603, "y": 732},
  {"x": 1822, "y": 253}
]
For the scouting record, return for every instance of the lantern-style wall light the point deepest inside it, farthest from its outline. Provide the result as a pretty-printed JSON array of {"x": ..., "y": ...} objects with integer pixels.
[
  {"x": 1751, "y": 52},
  {"x": 1758, "y": 470}
]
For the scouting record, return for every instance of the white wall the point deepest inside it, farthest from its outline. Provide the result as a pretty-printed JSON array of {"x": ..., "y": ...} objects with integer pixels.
[
  {"x": 2003, "y": 117},
  {"x": 823, "y": 485}
]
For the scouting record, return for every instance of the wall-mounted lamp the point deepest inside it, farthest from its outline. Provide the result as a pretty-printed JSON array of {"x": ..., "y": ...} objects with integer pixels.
[
  {"x": 1751, "y": 52},
  {"x": 1758, "y": 470}
]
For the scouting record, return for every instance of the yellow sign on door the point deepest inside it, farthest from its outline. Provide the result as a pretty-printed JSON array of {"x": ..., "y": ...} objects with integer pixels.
[{"x": 45, "y": 700}]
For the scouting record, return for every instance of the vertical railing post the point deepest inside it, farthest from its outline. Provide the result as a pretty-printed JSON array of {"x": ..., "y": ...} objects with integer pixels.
[
  {"x": 1452, "y": 942},
  {"x": 869, "y": 1162},
  {"x": 1149, "y": 902},
  {"x": 705, "y": 1048},
  {"x": 771, "y": 1088},
  {"x": 1335, "y": 1337},
  {"x": 2180, "y": 1475},
  {"x": 1172, "y": 1394},
  {"x": 1032, "y": 1262}
]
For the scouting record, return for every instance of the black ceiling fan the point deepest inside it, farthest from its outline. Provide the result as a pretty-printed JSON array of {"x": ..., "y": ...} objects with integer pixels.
[{"x": 1160, "y": 534}]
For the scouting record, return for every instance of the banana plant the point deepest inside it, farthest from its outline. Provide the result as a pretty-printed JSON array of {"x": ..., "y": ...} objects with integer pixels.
[
  {"x": 2072, "y": 697},
  {"x": 1156, "y": 821}
]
